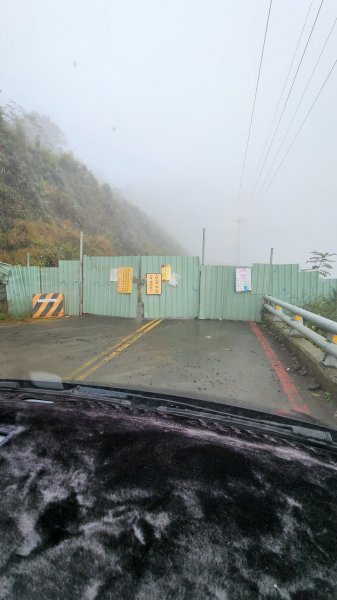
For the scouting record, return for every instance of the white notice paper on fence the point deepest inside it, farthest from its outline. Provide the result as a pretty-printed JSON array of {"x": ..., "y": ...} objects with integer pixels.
[
  {"x": 174, "y": 279},
  {"x": 243, "y": 279},
  {"x": 113, "y": 274}
]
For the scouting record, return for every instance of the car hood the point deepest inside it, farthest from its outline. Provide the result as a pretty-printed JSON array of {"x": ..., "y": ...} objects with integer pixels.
[{"x": 103, "y": 501}]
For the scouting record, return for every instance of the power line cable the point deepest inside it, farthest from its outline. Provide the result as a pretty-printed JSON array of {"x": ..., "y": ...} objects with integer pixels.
[
  {"x": 298, "y": 131},
  {"x": 283, "y": 89},
  {"x": 288, "y": 96},
  {"x": 296, "y": 110},
  {"x": 254, "y": 102}
]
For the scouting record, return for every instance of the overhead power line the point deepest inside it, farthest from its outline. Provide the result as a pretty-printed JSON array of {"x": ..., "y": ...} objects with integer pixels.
[
  {"x": 298, "y": 106},
  {"x": 283, "y": 89},
  {"x": 254, "y": 102},
  {"x": 288, "y": 96},
  {"x": 298, "y": 131}
]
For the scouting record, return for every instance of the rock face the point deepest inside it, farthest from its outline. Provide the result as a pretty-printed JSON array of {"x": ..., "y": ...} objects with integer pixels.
[{"x": 47, "y": 197}]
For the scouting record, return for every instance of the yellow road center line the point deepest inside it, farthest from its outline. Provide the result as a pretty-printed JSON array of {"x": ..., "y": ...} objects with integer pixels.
[
  {"x": 100, "y": 355},
  {"x": 118, "y": 350}
]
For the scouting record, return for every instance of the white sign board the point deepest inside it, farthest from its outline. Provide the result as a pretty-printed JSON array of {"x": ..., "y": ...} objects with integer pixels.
[
  {"x": 113, "y": 274},
  {"x": 243, "y": 279}
]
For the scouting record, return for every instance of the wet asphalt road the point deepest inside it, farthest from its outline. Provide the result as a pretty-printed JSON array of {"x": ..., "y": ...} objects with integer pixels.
[{"x": 222, "y": 361}]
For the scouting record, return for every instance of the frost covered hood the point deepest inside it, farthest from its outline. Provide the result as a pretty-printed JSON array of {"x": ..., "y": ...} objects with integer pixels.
[{"x": 109, "y": 502}]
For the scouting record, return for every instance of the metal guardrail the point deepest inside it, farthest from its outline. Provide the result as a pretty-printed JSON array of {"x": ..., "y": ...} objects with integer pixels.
[{"x": 328, "y": 344}]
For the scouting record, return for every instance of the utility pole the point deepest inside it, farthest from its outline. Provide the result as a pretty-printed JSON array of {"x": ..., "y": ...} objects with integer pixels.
[
  {"x": 81, "y": 273},
  {"x": 271, "y": 272},
  {"x": 203, "y": 246},
  {"x": 28, "y": 257},
  {"x": 238, "y": 222}
]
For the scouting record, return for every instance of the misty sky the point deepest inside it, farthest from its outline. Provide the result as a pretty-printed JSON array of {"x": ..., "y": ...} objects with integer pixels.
[{"x": 156, "y": 95}]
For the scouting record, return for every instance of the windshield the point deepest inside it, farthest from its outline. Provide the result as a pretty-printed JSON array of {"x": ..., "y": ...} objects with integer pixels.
[{"x": 167, "y": 190}]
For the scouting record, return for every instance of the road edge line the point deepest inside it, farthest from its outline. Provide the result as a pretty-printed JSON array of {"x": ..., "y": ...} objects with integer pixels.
[{"x": 289, "y": 387}]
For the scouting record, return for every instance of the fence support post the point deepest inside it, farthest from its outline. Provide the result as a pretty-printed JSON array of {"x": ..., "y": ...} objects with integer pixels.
[
  {"x": 279, "y": 308},
  {"x": 328, "y": 360},
  {"x": 81, "y": 273},
  {"x": 294, "y": 332}
]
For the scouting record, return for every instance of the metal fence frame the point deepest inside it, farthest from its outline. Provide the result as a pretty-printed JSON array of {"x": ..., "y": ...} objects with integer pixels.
[
  {"x": 204, "y": 292},
  {"x": 181, "y": 302},
  {"x": 24, "y": 282},
  {"x": 100, "y": 294}
]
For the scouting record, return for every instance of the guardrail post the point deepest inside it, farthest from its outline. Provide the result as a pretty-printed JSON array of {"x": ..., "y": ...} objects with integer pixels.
[
  {"x": 293, "y": 332},
  {"x": 328, "y": 360},
  {"x": 279, "y": 308},
  {"x": 328, "y": 344}
]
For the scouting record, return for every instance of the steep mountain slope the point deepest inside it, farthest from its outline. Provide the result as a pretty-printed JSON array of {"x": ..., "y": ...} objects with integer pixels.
[{"x": 47, "y": 197}]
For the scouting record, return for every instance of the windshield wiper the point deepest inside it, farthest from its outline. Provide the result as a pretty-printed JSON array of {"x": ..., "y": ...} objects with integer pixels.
[
  {"x": 313, "y": 434},
  {"x": 163, "y": 404},
  {"x": 320, "y": 436},
  {"x": 9, "y": 385},
  {"x": 182, "y": 408}
]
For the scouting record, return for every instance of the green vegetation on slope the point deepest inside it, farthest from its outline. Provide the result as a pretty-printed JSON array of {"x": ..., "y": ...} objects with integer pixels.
[{"x": 47, "y": 197}]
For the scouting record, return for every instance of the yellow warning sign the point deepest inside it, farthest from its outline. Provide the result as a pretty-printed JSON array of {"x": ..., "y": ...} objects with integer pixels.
[
  {"x": 124, "y": 280},
  {"x": 153, "y": 284},
  {"x": 166, "y": 272}
]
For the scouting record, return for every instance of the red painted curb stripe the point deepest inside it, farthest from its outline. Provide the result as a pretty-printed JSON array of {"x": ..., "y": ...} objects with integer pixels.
[{"x": 288, "y": 385}]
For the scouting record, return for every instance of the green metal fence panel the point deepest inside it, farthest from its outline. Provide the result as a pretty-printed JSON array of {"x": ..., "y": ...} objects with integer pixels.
[
  {"x": 307, "y": 287},
  {"x": 32, "y": 281},
  {"x": 207, "y": 292},
  {"x": 314, "y": 287},
  {"x": 23, "y": 283},
  {"x": 212, "y": 286},
  {"x": 282, "y": 280},
  {"x": 5, "y": 270},
  {"x": 181, "y": 301},
  {"x": 219, "y": 300},
  {"x": 329, "y": 287},
  {"x": 261, "y": 279},
  {"x": 69, "y": 285},
  {"x": 49, "y": 280},
  {"x": 100, "y": 295},
  {"x": 300, "y": 287},
  {"x": 16, "y": 295}
]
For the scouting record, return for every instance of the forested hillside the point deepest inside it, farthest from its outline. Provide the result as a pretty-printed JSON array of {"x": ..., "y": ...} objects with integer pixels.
[{"x": 47, "y": 197}]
